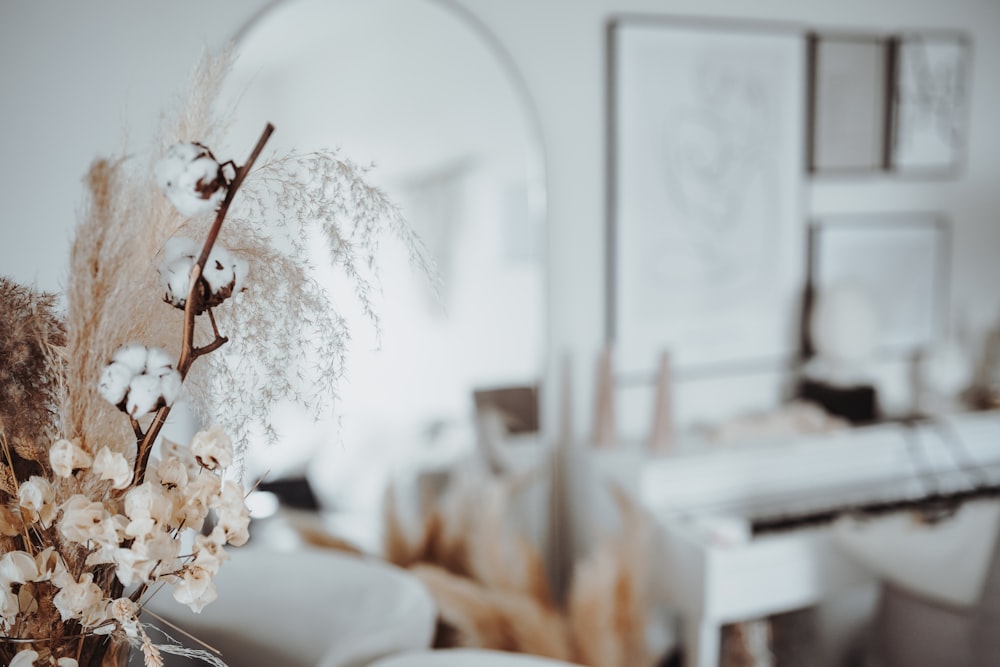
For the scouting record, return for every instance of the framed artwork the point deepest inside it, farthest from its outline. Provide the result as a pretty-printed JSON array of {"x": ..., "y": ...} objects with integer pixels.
[
  {"x": 900, "y": 260},
  {"x": 849, "y": 106},
  {"x": 705, "y": 163},
  {"x": 930, "y": 102}
]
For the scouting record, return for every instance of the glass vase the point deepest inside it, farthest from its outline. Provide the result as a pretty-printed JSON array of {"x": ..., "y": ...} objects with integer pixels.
[{"x": 89, "y": 650}]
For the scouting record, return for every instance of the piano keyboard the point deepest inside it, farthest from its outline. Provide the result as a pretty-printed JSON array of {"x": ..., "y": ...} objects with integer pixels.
[{"x": 931, "y": 467}]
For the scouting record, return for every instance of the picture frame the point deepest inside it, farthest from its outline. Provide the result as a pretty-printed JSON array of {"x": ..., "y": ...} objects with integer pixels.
[
  {"x": 901, "y": 260},
  {"x": 849, "y": 104},
  {"x": 705, "y": 167},
  {"x": 930, "y": 102}
]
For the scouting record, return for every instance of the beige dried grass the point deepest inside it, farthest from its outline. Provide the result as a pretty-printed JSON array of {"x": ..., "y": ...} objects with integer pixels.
[
  {"x": 609, "y": 595},
  {"x": 31, "y": 333}
]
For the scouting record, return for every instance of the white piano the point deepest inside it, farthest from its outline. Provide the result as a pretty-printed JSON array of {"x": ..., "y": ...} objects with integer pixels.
[{"x": 747, "y": 527}]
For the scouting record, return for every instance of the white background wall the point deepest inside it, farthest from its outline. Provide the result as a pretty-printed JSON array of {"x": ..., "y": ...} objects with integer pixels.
[
  {"x": 560, "y": 49},
  {"x": 72, "y": 75}
]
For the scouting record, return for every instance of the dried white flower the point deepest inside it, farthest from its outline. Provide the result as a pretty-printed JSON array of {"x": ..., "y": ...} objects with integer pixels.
[
  {"x": 126, "y": 612},
  {"x": 67, "y": 662},
  {"x": 195, "y": 589},
  {"x": 17, "y": 567},
  {"x": 212, "y": 448},
  {"x": 36, "y": 498},
  {"x": 157, "y": 550},
  {"x": 191, "y": 178},
  {"x": 9, "y": 606},
  {"x": 208, "y": 551},
  {"x": 51, "y": 567},
  {"x": 81, "y": 600},
  {"x": 170, "y": 449},
  {"x": 132, "y": 567},
  {"x": 197, "y": 495},
  {"x": 171, "y": 472},
  {"x": 148, "y": 506},
  {"x": 84, "y": 520},
  {"x": 65, "y": 456},
  {"x": 137, "y": 563},
  {"x": 112, "y": 466},
  {"x": 233, "y": 514}
]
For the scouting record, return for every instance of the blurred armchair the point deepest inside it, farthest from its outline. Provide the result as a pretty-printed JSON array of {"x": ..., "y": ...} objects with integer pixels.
[{"x": 304, "y": 608}]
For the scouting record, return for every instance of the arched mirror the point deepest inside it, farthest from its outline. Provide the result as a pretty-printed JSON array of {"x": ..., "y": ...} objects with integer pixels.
[{"x": 422, "y": 91}]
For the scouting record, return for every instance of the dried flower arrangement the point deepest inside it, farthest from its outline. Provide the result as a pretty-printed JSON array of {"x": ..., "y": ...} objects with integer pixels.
[{"x": 91, "y": 521}]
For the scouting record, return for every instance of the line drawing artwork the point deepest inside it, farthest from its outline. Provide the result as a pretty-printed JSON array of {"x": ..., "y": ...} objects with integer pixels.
[
  {"x": 708, "y": 141},
  {"x": 931, "y": 98},
  {"x": 715, "y": 151}
]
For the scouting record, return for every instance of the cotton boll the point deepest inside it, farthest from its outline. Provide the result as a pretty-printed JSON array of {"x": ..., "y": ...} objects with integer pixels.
[
  {"x": 114, "y": 382},
  {"x": 170, "y": 387},
  {"x": 191, "y": 179},
  {"x": 143, "y": 395},
  {"x": 169, "y": 168},
  {"x": 176, "y": 281},
  {"x": 158, "y": 361},
  {"x": 220, "y": 273},
  {"x": 133, "y": 356},
  {"x": 225, "y": 274},
  {"x": 179, "y": 255},
  {"x": 180, "y": 246}
]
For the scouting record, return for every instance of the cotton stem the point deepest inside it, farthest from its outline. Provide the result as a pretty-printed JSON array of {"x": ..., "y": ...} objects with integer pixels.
[{"x": 196, "y": 293}]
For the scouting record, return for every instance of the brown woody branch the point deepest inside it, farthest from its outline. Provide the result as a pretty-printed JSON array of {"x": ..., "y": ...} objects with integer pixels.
[{"x": 196, "y": 291}]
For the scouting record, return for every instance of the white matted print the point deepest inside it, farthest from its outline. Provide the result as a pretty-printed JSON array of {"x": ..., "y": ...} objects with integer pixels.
[
  {"x": 900, "y": 260},
  {"x": 706, "y": 235},
  {"x": 931, "y": 100}
]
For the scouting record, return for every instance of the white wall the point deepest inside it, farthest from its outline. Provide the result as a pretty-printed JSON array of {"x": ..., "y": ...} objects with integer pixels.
[
  {"x": 559, "y": 46},
  {"x": 73, "y": 74},
  {"x": 73, "y": 77}
]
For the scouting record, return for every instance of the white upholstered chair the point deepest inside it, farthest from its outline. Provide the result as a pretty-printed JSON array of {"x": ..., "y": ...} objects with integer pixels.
[
  {"x": 466, "y": 658},
  {"x": 304, "y": 608}
]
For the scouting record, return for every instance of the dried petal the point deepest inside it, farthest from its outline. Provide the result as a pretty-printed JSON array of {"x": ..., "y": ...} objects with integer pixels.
[
  {"x": 212, "y": 448},
  {"x": 84, "y": 520},
  {"x": 65, "y": 456},
  {"x": 112, "y": 466},
  {"x": 17, "y": 567},
  {"x": 36, "y": 498},
  {"x": 195, "y": 588},
  {"x": 81, "y": 600}
]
